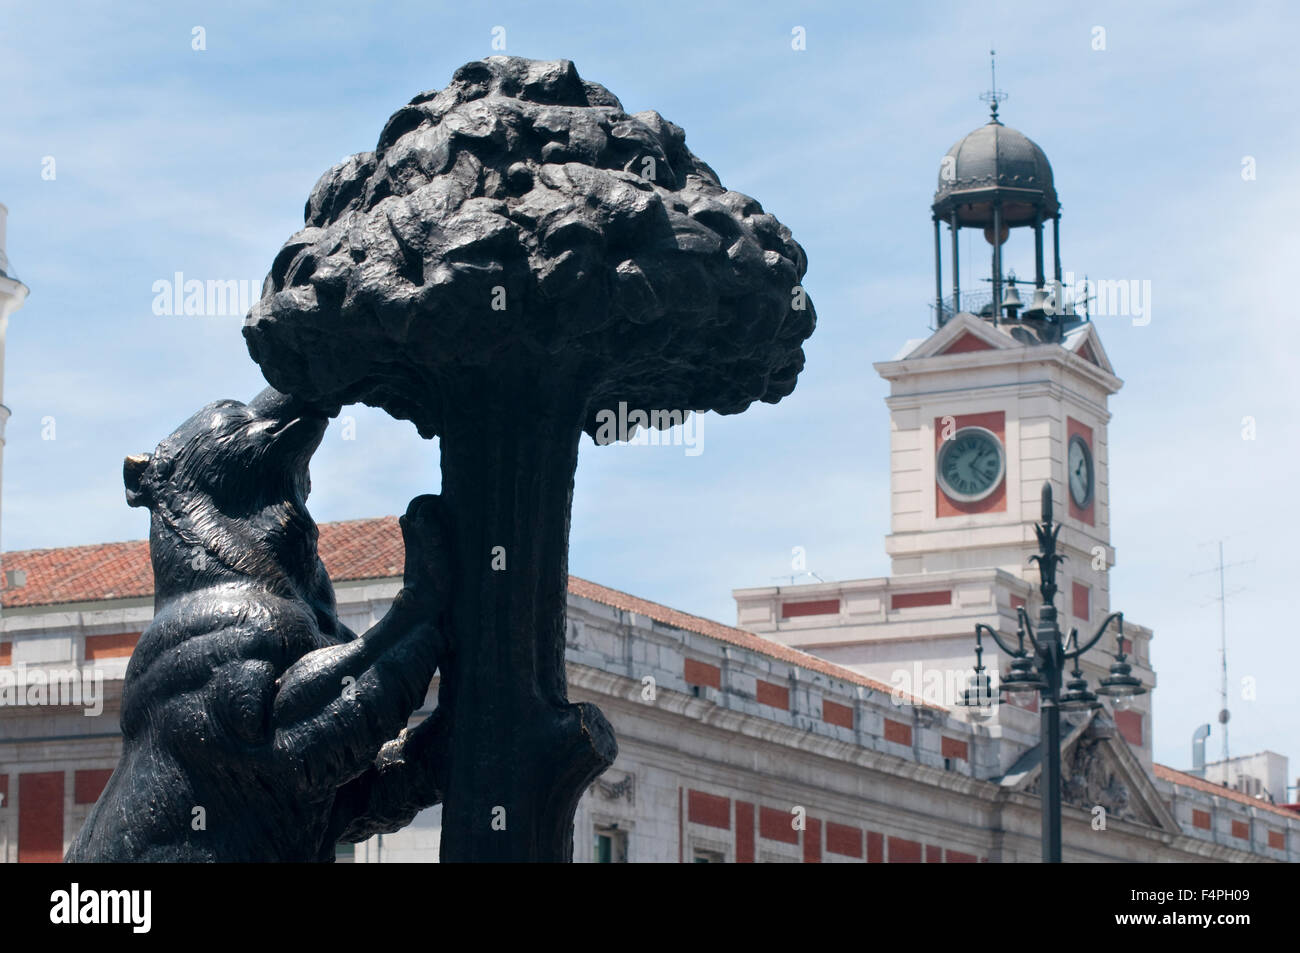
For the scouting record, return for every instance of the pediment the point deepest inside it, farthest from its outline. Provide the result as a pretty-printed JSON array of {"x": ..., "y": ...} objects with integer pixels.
[
  {"x": 1086, "y": 342},
  {"x": 963, "y": 334},
  {"x": 1098, "y": 769}
]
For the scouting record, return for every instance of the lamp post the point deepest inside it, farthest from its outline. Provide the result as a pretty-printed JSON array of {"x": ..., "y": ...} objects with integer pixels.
[{"x": 1040, "y": 667}]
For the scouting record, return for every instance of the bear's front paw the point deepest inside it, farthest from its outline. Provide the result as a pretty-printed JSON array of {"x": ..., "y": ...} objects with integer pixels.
[{"x": 428, "y": 568}]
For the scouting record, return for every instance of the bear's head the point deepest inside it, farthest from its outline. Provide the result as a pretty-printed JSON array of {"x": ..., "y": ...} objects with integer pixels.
[{"x": 227, "y": 492}]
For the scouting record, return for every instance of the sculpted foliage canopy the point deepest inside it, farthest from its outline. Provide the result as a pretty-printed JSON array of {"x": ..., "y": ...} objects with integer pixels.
[{"x": 519, "y": 220}]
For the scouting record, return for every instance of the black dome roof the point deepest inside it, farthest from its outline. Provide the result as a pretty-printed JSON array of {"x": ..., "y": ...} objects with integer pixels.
[{"x": 995, "y": 161}]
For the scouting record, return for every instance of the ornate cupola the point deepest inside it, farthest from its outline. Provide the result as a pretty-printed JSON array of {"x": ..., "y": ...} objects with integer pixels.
[{"x": 997, "y": 179}]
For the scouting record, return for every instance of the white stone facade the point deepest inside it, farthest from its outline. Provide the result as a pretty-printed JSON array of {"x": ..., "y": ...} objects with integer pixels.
[{"x": 720, "y": 770}]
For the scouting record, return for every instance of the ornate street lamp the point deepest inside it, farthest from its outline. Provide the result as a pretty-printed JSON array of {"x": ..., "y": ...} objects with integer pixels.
[
  {"x": 1041, "y": 671},
  {"x": 979, "y": 697},
  {"x": 1121, "y": 686}
]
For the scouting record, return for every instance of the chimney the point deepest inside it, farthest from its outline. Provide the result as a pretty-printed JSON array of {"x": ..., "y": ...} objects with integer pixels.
[{"x": 1198, "y": 749}]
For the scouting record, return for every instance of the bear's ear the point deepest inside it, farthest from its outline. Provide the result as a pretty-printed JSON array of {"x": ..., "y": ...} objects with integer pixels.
[{"x": 133, "y": 469}]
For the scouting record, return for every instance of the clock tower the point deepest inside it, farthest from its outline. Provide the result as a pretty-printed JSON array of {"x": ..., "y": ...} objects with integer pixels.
[
  {"x": 1010, "y": 390},
  {"x": 978, "y": 421},
  {"x": 1004, "y": 395}
]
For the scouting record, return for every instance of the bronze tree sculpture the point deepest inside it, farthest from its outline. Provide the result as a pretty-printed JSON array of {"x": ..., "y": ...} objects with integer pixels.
[{"x": 517, "y": 255}]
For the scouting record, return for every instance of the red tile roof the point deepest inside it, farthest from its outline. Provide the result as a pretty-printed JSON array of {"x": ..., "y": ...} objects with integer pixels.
[
  {"x": 355, "y": 549},
  {"x": 79, "y": 574},
  {"x": 1209, "y": 787},
  {"x": 351, "y": 550}
]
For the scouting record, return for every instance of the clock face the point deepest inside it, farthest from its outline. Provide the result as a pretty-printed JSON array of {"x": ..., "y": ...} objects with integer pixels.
[
  {"x": 970, "y": 464},
  {"x": 1079, "y": 466}
]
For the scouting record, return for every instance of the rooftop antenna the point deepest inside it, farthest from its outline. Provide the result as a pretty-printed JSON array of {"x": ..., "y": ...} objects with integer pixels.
[
  {"x": 994, "y": 95},
  {"x": 1222, "y": 600}
]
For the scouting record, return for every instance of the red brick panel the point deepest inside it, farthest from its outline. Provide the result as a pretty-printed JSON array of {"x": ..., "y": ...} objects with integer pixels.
[
  {"x": 843, "y": 840},
  {"x": 110, "y": 646},
  {"x": 744, "y": 832},
  {"x": 952, "y": 748},
  {"x": 898, "y": 732},
  {"x": 875, "y": 848},
  {"x": 957, "y": 857},
  {"x": 1082, "y": 601},
  {"x": 708, "y": 809},
  {"x": 995, "y": 502},
  {"x": 700, "y": 673},
  {"x": 778, "y": 696},
  {"x": 6, "y": 653},
  {"x": 40, "y": 818},
  {"x": 1241, "y": 830},
  {"x": 777, "y": 825},
  {"x": 1277, "y": 840},
  {"x": 917, "y": 600},
  {"x": 1129, "y": 724},
  {"x": 966, "y": 343},
  {"x": 933, "y": 854},
  {"x": 87, "y": 786},
  {"x": 903, "y": 851},
  {"x": 1017, "y": 602},
  {"x": 1087, "y": 514},
  {"x": 4, "y": 790},
  {"x": 791, "y": 610},
  {"x": 812, "y": 842},
  {"x": 833, "y": 713},
  {"x": 1201, "y": 819}
]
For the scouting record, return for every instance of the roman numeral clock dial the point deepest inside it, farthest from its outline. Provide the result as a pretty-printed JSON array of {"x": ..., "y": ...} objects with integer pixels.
[
  {"x": 1079, "y": 471},
  {"x": 970, "y": 464}
]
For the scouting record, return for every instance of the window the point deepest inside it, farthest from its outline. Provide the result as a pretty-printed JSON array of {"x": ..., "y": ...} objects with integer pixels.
[
  {"x": 702, "y": 856},
  {"x": 610, "y": 845}
]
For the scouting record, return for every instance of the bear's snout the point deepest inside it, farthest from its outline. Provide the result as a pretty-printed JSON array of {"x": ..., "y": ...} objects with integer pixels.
[
  {"x": 288, "y": 417},
  {"x": 274, "y": 405}
]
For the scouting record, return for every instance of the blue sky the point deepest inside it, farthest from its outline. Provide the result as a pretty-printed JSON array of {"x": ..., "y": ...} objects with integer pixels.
[{"x": 169, "y": 159}]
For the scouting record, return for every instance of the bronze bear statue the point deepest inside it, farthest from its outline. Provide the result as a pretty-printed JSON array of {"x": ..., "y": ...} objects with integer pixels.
[{"x": 256, "y": 726}]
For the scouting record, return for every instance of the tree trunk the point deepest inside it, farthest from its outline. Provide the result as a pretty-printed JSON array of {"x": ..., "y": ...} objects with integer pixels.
[{"x": 520, "y": 754}]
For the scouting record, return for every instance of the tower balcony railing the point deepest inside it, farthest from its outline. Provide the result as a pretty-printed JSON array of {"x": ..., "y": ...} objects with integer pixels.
[
  {"x": 980, "y": 304},
  {"x": 975, "y": 302}
]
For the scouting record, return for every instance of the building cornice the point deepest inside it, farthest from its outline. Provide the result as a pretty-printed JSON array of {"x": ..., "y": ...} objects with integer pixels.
[
  {"x": 1039, "y": 387},
  {"x": 999, "y": 357}
]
